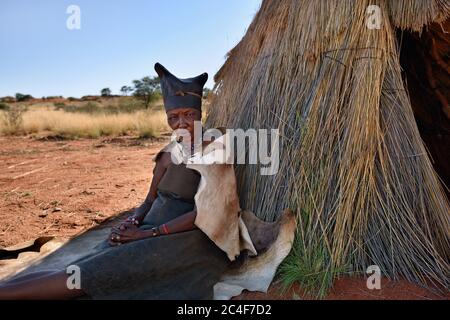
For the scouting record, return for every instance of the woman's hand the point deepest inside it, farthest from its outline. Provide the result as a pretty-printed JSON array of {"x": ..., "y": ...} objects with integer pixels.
[
  {"x": 120, "y": 235},
  {"x": 134, "y": 220},
  {"x": 131, "y": 232}
]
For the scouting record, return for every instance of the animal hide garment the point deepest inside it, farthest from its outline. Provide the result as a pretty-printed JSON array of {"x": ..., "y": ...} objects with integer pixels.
[{"x": 261, "y": 246}]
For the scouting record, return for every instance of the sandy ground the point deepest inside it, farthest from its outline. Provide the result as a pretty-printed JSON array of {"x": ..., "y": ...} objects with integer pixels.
[
  {"x": 353, "y": 289},
  {"x": 64, "y": 187}
]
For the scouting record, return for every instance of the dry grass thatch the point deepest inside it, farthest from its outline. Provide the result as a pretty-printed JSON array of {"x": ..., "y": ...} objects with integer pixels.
[{"x": 351, "y": 155}]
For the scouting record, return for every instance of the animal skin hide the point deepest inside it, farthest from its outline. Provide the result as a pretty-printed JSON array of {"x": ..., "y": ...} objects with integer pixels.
[
  {"x": 218, "y": 213},
  {"x": 256, "y": 273},
  {"x": 261, "y": 246}
]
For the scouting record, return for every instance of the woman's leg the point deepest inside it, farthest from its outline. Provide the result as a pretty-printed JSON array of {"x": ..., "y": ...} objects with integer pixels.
[{"x": 50, "y": 286}]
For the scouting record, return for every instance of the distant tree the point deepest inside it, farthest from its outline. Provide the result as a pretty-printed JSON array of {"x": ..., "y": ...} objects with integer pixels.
[
  {"x": 125, "y": 90},
  {"x": 105, "y": 92},
  {"x": 147, "y": 89},
  {"x": 23, "y": 97}
]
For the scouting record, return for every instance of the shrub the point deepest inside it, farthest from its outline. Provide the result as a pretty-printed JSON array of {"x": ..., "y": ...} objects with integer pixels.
[
  {"x": 4, "y": 106},
  {"x": 59, "y": 105},
  {"x": 90, "y": 107},
  {"x": 70, "y": 108},
  {"x": 111, "y": 109},
  {"x": 145, "y": 129},
  {"x": 12, "y": 119},
  {"x": 130, "y": 104}
]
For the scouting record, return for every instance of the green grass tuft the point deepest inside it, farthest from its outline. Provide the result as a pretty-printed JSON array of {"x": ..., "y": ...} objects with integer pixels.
[{"x": 308, "y": 264}]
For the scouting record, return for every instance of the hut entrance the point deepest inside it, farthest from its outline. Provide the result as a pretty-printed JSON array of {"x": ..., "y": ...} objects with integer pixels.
[{"x": 425, "y": 60}]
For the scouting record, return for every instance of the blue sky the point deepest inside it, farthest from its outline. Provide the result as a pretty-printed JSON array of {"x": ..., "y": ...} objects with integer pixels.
[{"x": 119, "y": 41}]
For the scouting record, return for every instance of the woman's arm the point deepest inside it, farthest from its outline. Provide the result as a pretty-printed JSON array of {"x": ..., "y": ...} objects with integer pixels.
[
  {"x": 182, "y": 223},
  {"x": 158, "y": 173}
]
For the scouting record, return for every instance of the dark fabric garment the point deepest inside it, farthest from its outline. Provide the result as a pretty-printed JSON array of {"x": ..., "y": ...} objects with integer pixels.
[
  {"x": 176, "y": 266},
  {"x": 180, "y": 180},
  {"x": 180, "y": 93},
  {"x": 167, "y": 207}
]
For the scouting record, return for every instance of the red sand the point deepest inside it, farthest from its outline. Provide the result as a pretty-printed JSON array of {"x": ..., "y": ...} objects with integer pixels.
[
  {"x": 64, "y": 187},
  {"x": 355, "y": 289}
]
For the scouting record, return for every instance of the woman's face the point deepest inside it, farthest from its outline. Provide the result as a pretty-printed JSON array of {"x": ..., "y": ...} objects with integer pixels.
[{"x": 183, "y": 118}]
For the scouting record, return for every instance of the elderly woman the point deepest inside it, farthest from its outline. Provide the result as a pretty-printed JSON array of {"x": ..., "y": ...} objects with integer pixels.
[{"x": 158, "y": 253}]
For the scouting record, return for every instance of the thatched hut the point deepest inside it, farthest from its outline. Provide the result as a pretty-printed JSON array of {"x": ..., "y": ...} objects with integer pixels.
[{"x": 353, "y": 165}]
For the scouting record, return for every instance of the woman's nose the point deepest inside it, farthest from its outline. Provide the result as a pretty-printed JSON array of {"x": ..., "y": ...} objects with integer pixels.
[{"x": 182, "y": 123}]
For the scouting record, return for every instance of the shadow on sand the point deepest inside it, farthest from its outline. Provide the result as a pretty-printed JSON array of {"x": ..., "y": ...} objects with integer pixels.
[{"x": 52, "y": 253}]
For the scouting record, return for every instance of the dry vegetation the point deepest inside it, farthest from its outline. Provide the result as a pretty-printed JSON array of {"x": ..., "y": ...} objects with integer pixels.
[{"x": 90, "y": 120}]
